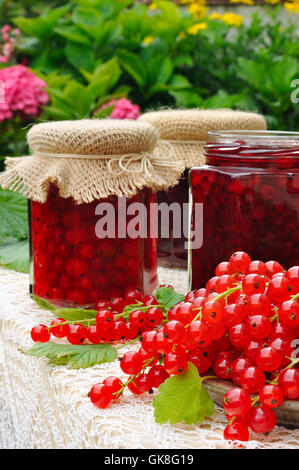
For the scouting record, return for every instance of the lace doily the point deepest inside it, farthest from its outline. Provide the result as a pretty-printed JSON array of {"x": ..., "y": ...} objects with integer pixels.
[{"x": 47, "y": 407}]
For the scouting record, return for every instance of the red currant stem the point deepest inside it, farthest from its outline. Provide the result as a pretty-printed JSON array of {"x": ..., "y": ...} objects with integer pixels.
[
  {"x": 209, "y": 377},
  {"x": 88, "y": 320},
  {"x": 198, "y": 316},
  {"x": 137, "y": 306},
  {"x": 129, "y": 342},
  {"x": 255, "y": 400},
  {"x": 233, "y": 419},
  {"x": 296, "y": 296},
  {"x": 292, "y": 364},
  {"x": 132, "y": 378},
  {"x": 274, "y": 317},
  {"x": 228, "y": 292}
]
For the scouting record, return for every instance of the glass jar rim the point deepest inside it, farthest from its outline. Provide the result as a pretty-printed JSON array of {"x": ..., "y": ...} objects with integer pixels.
[{"x": 255, "y": 134}]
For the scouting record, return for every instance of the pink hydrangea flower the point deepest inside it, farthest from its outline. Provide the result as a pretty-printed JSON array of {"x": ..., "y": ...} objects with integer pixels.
[
  {"x": 123, "y": 109},
  {"x": 23, "y": 93}
]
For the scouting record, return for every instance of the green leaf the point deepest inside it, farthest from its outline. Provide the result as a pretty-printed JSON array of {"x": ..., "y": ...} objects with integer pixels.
[
  {"x": 131, "y": 63},
  {"x": 15, "y": 256},
  {"x": 72, "y": 33},
  {"x": 13, "y": 217},
  {"x": 33, "y": 26},
  {"x": 168, "y": 297},
  {"x": 183, "y": 398},
  {"x": 79, "y": 55},
  {"x": 69, "y": 314},
  {"x": 74, "y": 356}
]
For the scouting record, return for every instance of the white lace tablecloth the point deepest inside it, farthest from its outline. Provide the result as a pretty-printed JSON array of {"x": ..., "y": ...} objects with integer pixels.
[{"x": 47, "y": 407}]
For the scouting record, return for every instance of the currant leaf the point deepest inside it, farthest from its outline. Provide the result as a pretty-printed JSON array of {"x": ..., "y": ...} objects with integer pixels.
[
  {"x": 74, "y": 356},
  {"x": 168, "y": 297},
  {"x": 69, "y": 314},
  {"x": 183, "y": 398}
]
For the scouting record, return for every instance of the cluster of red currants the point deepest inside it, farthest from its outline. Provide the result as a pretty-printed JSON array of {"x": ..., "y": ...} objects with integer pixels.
[
  {"x": 110, "y": 322},
  {"x": 243, "y": 325}
]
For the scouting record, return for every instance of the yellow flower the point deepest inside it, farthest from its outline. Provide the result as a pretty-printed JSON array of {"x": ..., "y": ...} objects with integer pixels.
[
  {"x": 292, "y": 7},
  {"x": 232, "y": 19},
  {"x": 247, "y": 2},
  {"x": 153, "y": 6},
  {"x": 198, "y": 10},
  {"x": 148, "y": 40},
  {"x": 215, "y": 16},
  {"x": 197, "y": 27}
]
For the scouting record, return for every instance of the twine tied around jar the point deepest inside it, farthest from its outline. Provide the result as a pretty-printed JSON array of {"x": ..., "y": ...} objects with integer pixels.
[{"x": 126, "y": 163}]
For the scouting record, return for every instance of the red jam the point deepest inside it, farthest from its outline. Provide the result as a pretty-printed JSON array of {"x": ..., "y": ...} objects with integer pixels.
[
  {"x": 249, "y": 188},
  {"x": 171, "y": 250},
  {"x": 72, "y": 266}
]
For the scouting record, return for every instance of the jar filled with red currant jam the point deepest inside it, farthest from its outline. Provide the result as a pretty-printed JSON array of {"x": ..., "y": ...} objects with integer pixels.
[
  {"x": 249, "y": 192},
  {"x": 90, "y": 185},
  {"x": 186, "y": 130}
]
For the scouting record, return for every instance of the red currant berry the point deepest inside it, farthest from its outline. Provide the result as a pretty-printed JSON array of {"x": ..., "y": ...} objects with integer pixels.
[
  {"x": 105, "y": 318},
  {"x": 100, "y": 395},
  {"x": 293, "y": 276},
  {"x": 271, "y": 395},
  {"x": 239, "y": 365},
  {"x": 258, "y": 326},
  {"x": 174, "y": 331},
  {"x": 223, "y": 367},
  {"x": 288, "y": 313},
  {"x": 239, "y": 261},
  {"x": 185, "y": 313},
  {"x": 289, "y": 381},
  {"x": 199, "y": 333},
  {"x": 95, "y": 334},
  {"x": 211, "y": 284},
  {"x": 236, "y": 432},
  {"x": 262, "y": 419},
  {"x": 201, "y": 359},
  {"x": 236, "y": 402},
  {"x": 257, "y": 267},
  {"x": 133, "y": 296},
  {"x": 157, "y": 375},
  {"x": 212, "y": 311},
  {"x": 253, "y": 284},
  {"x": 58, "y": 330},
  {"x": 268, "y": 359},
  {"x": 117, "y": 304},
  {"x": 252, "y": 379},
  {"x": 259, "y": 304},
  {"x": 40, "y": 333},
  {"x": 131, "y": 363},
  {"x": 279, "y": 290},
  {"x": 222, "y": 268},
  {"x": 137, "y": 318},
  {"x": 251, "y": 349},
  {"x": 238, "y": 335},
  {"x": 77, "y": 334},
  {"x": 148, "y": 342},
  {"x": 273, "y": 267},
  {"x": 154, "y": 317},
  {"x": 175, "y": 363},
  {"x": 114, "y": 384}
]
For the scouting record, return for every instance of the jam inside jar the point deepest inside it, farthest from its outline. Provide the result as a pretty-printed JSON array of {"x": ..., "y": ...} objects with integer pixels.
[
  {"x": 249, "y": 189},
  {"x": 71, "y": 266},
  {"x": 171, "y": 249}
]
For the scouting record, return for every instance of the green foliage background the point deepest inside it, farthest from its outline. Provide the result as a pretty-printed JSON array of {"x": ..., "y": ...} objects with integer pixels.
[{"x": 90, "y": 51}]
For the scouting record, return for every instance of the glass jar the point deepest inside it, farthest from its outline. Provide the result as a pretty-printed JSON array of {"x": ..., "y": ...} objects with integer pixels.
[
  {"x": 72, "y": 266},
  {"x": 172, "y": 250},
  {"x": 249, "y": 189}
]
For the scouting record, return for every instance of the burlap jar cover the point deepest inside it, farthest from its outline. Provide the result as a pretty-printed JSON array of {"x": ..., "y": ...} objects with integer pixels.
[
  {"x": 187, "y": 129},
  {"x": 92, "y": 159}
]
